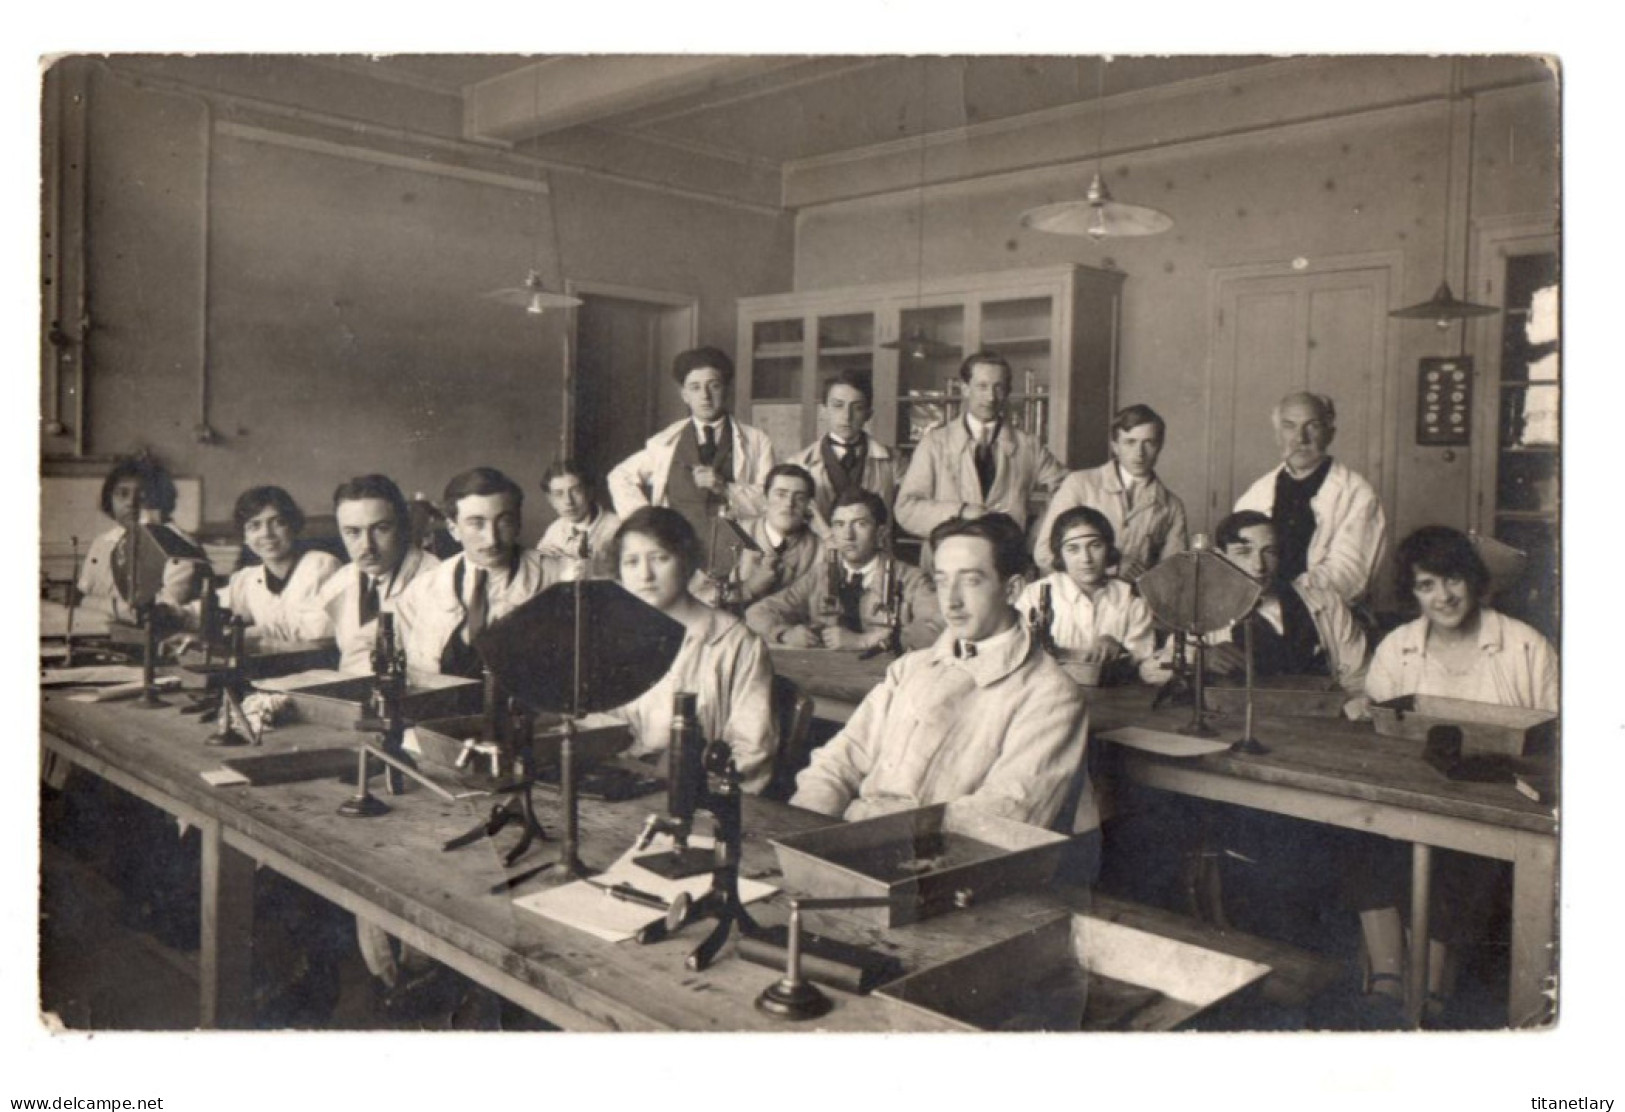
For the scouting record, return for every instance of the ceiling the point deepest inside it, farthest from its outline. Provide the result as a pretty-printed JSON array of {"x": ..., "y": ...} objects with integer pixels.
[{"x": 769, "y": 111}]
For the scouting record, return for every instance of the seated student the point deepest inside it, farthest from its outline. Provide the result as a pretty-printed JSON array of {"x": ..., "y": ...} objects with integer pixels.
[
  {"x": 1458, "y": 648},
  {"x": 374, "y": 523},
  {"x": 1302, "y": 629},
  {"x": 1148, "y": 518},
  {"x": 984, "y": 714},
  {"x": 580, "y": 539},
  {"x": 812, "y": 613},
  {"x": 721, "y": 661},
  {"x": 847, "y": 457},
  {"x": 135, "y": 489},
  {"x": 271, "y": 595},
  {"x": 442, "y": 612},
  {"x": 789, "y": 546},
  {"x": 1098, "y": 617}
]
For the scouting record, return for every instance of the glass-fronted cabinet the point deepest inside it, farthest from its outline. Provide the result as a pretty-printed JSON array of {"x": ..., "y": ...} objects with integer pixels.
[{"x": 1057, "y": 326}]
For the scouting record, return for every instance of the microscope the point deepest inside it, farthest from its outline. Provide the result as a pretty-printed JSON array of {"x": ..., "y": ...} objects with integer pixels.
[
  {"x": 701, "y": 776},
  {"x": 382, "y": 714},
  {"x": 1041, "y": 619}
]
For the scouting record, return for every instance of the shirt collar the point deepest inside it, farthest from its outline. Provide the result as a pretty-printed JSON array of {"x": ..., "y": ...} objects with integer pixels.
[
  {"x": 996, "y": 657},
  {"x": 976, "y": 426},
  {"x": 720, "y": 425},
  {"x": 868, "y": 571},
  {"x": 774, "y": 537}
]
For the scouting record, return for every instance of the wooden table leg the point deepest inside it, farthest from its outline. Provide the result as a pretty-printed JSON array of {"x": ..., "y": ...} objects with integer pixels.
[
  {"x": 225, "y": 956},
  {"x": 1416, "y": 977},
  {"x": 1531, "y": 994}
]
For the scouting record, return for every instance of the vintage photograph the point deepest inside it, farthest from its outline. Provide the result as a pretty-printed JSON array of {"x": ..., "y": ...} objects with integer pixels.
[{"x": 901, "y": 542}]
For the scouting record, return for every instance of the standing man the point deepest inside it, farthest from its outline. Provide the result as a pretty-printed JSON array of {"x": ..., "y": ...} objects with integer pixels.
[
  {"x": 444, "y": 611},
  {"x": 814, "y": 613},
  {"x": 847, "y": 457},
  {"x": 704, "y": 463},
  {"x": 984, "y": 715},
  {"x": 1330, "y": 527},
  {"x": 578, "y": 541},
  {"x": 1147, "y": 518},
  {"x": 978, "y": 464},
  {"x": 789, "y": 547},
  {"x": 375, "y": 525}
]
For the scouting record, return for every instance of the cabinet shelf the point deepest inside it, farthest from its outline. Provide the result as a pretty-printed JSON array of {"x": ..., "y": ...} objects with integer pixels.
[
  {"x": 998, "y": 343},
  {"x": 1058, "y": 324}
]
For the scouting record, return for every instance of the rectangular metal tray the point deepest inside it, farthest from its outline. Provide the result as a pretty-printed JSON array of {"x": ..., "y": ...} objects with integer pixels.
[
  {"x": 1486, "y": 728},
  {"x": 1289, "y": 696},
  {"x": 333, "y": 699},
  {"x": 1076, "y": 972},
  {"x": 598, "y": 737},
  {"x": 925, "y": 861}
]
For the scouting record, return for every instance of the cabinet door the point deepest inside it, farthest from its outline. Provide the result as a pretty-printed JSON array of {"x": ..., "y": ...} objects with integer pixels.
[
  {"x": 1022, "y": 328},
  {"x": 925, "y": 388},
  {"x": 776, "y": 386}
]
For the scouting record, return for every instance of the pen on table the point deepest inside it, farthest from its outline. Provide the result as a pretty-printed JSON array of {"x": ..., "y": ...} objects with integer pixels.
[
  {"x": 515, "y": 881},
  {"x": 624, "y": 891}
]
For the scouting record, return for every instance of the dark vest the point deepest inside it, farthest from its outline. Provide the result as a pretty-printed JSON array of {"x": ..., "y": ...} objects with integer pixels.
[
  {"x": 841, "y": 479},
  {"x": 699, "y": 506},
  {"x": 1297, "y": 650},
  {"x": 1294, "y": 519}
]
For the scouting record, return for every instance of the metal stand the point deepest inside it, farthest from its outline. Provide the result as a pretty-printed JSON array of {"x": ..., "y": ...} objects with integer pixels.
[
  {"x": 513, "y": 736},
  {"x": 230, "y": 682},
  {"x": 363, "y": 804},
  {"x": 149, "y": 659},
  {"x": 790, "y": 997},
  {"x": 1248, "y": 745}
]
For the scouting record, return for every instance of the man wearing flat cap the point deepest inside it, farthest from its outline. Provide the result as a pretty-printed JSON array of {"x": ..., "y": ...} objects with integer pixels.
[{"x": 702, "y": 463}]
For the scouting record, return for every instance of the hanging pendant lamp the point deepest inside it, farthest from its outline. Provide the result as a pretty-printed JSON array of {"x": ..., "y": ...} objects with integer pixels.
[
  {"x": 917, "y": 344},
  {"x": 1098, "y": 215},
  {"x": 1444, "y": 309},
  {"x": 537, "y": 300}
]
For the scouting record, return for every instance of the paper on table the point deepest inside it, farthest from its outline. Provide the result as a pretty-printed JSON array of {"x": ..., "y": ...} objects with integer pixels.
[
  {"x": 124, "y": 690},
  {"x": 223, "y": 777},
  {"x": 1163, "y": 743},
  {"x": 587, "y": 907},
  {"x": 104, "y": 673}
]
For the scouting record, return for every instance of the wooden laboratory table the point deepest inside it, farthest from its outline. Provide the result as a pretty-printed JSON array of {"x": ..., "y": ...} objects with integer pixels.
[
  {"x": 1329, "y": 771},
  {"x": 391, "y": 870}
]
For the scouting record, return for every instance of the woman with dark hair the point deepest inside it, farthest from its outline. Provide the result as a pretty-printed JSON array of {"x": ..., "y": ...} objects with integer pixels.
[
  {"x": 721, "y": 661},
  {"x": 1459, "y": 648},
  {"x": 1098, "y": 617},
  {"x": 136, "y": 490},
  {"x": 271, "y": 594}
]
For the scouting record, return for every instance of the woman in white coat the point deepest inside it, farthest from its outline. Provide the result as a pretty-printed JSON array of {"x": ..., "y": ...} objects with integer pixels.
[{"x": 269, "y": 595}]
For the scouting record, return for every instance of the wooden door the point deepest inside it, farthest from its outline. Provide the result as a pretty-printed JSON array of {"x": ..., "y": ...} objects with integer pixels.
[
  {"x": 624, "y": 348},
  {"x": 1275, "y": 333}
]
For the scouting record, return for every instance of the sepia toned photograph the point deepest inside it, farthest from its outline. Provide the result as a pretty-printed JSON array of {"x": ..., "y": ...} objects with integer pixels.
[{"x": 867, "y": 543}]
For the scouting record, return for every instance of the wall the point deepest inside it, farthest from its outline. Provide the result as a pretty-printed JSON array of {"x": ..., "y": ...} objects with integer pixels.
[
  {"x": 1372, "y": 182},
  {"x": 340, "y": 296}
]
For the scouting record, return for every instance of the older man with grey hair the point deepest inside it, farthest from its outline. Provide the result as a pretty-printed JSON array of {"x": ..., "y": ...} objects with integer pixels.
[{"x": 1329, "y": 523}]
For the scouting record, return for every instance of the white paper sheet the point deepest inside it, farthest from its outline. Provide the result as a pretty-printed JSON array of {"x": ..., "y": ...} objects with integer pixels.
[
  {"x": 588, "y": 908},
  {"x": 1163, "y": 743},
  {"x": 223, "y": 777}
]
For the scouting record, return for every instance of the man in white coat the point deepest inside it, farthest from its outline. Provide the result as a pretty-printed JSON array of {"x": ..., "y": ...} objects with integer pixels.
[
  {"x": 445, "y": 611},
  {"x": 978, "y": 464},
  {"x": 1330, "y": 526},
  {"x": 375, "y": 524},
  {"x": 703, "y": 464}
]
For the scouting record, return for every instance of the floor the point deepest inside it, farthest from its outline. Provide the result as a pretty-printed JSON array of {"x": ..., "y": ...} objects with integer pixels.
[{"x": 111, "y": 960}]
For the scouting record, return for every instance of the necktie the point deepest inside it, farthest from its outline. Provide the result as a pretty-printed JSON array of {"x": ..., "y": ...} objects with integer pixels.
[
  {"x": 965, "y": 650},
  {"x": 851, "y": 598},
  {"x": 478, "y": 607},
  {"x": 708, "y": 450},
  {"x": 369, "y": 599},
  {"x": 985, "y": 466}
]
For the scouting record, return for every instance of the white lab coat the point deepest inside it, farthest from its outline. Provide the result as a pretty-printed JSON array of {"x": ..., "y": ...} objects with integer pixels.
[
  {"x": 430, "y": 612},
  {"x": 278, "y": 616},
  {"x": 640, "y": 479},
  {"x": 1080, "y": 621},
  {"x": 335, "y": 611},
  {"x": 1350, "y": 530},
  {"x": 1519, "y": 667}
]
